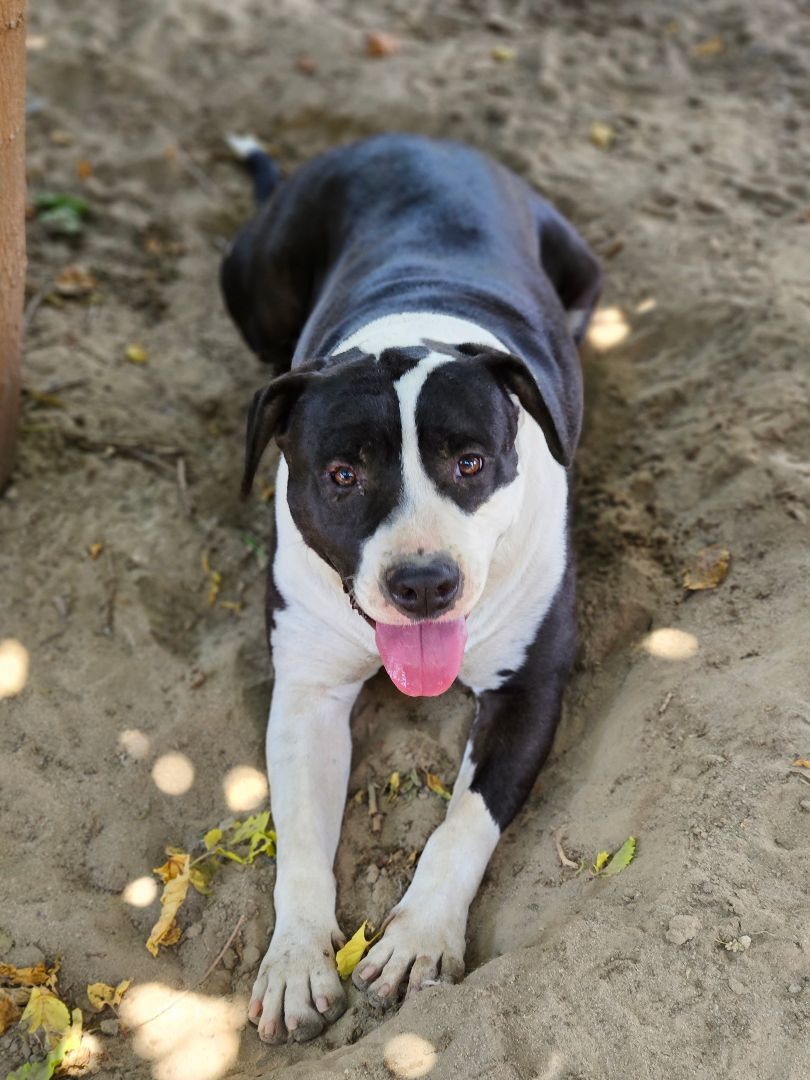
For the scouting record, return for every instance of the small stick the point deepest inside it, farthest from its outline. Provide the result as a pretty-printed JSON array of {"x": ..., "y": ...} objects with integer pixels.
[
  {"x": 32, "y": 307},
  {"x": 373, "y": 809},
  {"x": 199, "y": 982},
  {"x": 665, "y": 703},
  {"x": 803, "y": 779},
  {"x": 560, "y": 853},
  {"x": 182, "y": 485}
]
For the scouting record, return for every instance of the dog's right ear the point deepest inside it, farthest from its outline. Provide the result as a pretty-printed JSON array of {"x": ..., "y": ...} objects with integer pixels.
[{"x": 268, "y": 415}]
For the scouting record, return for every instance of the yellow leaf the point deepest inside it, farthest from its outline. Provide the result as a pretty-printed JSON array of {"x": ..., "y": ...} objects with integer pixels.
[
  {"x": 393, "y": 786},
  {"x": 803, "y": 763},
  {"x": 711, "y": 47},
  {"x": 601, "y": 859},
  {"x": 435, "y": 785},
  {"x": 602, "y": 135},
  {"x": 708, "y": 569},
  {"x": 9, "y": 1011},
  {"x": 38, "y": 975},
  {"x": 136, "y": 354},
  {"x": 503, "y": 54},
  {"x": 175, "y": 873},
  {"x": 352, "y": 952},
  {"x": 45, "y": 1010},
  {"x": 212, "y": 838},
  {"x": 100, "y": 995},
  {"x": 95, "y": 550}
]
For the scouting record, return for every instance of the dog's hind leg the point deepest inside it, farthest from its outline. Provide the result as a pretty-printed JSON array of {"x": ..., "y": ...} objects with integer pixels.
[{"x": 570, "y": 265}]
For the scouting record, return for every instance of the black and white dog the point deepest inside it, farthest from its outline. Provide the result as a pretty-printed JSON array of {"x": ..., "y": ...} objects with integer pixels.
[{"x": 420, "y": 306}]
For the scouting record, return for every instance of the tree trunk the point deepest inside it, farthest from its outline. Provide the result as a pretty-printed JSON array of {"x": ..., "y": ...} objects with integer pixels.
[{"x": 12, "y": 222}]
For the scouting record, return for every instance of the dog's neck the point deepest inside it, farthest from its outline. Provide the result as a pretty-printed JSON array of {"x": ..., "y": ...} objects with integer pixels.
[{"x": 410, "y": 328}]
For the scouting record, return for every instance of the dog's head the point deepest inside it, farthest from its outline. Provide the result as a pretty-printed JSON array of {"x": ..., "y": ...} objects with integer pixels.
[{"x": 404, "y": 474}]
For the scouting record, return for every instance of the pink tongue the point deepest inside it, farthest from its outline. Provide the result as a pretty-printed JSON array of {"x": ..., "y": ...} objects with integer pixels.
[{"x": 423, "y": 659}]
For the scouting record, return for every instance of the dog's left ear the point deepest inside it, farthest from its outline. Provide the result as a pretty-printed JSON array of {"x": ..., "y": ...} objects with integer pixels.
[
  {"x": 269, "y": 415},
  {"x": 559, "y": 425}
]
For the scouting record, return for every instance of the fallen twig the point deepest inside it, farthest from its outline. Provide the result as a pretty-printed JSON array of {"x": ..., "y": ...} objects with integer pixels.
[
  {"x": 665, "y": 703},
  {"x": 200, "y": 981},
  {"x": 182, "y": 487},
  {"x": 564, "y": 860}
]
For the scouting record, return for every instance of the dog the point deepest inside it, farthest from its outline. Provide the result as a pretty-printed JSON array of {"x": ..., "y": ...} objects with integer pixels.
[{"x": 420, "y": 307}]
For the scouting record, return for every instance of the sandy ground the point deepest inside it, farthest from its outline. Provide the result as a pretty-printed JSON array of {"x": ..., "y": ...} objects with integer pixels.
[{"x": 696, "y": 432}]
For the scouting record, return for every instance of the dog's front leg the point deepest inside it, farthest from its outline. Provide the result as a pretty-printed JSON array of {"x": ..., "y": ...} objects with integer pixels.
[
  {"x": 512, "y": 734},
  {"x": 308, "y": 758}
]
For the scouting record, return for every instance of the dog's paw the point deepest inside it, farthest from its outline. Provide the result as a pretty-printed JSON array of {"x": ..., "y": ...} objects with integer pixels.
[
  {"x": 298, "y": 990},
  {"x": 416, "y": 950}
]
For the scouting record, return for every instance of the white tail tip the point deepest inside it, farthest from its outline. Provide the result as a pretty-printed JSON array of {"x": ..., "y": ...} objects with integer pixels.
[{"x": 243, "y": 145}]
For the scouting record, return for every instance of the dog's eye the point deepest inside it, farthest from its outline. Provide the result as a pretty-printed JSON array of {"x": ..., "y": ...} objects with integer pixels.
[
  {"x": 343, "y": 475},
  {"x": 469, "y": 465}
]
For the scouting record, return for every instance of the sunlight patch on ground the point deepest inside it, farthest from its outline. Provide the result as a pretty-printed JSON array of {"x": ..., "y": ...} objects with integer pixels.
[
  {"x": 608, "y": 328},
  {"x": 670, "y": 644},
  {"x": 13, "y": 667},
  {"x": 554, "y": 1067},
  {"x": 409, "y": 1056},
  {"x": 245, "y": 788},
  {"x": 135, "y": 743},
  {"x": 173, "y": 773},
  {"x": 186, "y": 1036},
  {"x": 140, "y": 892}
]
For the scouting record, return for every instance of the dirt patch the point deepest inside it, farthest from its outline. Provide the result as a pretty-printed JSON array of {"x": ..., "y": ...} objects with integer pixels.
[{"x": 696, "y": 433}]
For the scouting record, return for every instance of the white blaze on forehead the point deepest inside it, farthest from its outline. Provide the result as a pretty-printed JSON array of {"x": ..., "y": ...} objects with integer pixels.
[{"x": 408, "y": 328}]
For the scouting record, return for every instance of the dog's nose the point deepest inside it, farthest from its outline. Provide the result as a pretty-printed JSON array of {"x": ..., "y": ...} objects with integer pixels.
[{"x": 423, "y": 590}]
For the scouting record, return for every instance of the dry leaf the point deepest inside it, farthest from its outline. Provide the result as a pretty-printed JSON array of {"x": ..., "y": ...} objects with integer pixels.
[
  {"x": 435, "y": 785},
  {"x": 393, "y": 786},
  {"x": 503, "y": 54},
  {"x": 708, "y": 569},
  {"x": 100, "y": 995},
  {"x": 74, "y": 280},
  {"x": 95, "y": 550},
  {"x": 136, "y": 354},
  {"x": 9, "y": 1010},
  {"x": 45, "y": 1010},
  {"x": 84, "y": 169},
  {"x": 352, "y": 952},
  {"x": 602, "y": 135},
  {"x": 712, "y": 47},
  {"x": 380, "y": 45},
  {"x": 803, "y": 763},
  {"x": 175, "y": 875},
  {"x": 38, "y": 975}
]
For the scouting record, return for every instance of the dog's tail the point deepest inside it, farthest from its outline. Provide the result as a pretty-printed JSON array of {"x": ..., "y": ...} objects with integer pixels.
[{"x": 258, "y": 162}]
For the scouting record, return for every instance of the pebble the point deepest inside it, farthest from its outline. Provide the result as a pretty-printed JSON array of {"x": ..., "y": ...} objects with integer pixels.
[
  {"x": 682, "y": 928},
  {"x": 372, "y": 874},
  {"x": 794, "y": 988},
  {"x": 194, "y": 931},
  {"x": 736, "y": 986},
  {"x": 109, "y": 1027},
  {"x": 805, "y": 805}
]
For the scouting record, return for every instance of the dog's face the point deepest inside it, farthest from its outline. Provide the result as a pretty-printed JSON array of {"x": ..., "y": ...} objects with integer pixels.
[{"x": 403, "y": 476}]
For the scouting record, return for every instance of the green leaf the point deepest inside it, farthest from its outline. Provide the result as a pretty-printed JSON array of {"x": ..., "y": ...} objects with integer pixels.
[
  {"x": 623, "y": 857},
  {"x": 57, "y": 200}
]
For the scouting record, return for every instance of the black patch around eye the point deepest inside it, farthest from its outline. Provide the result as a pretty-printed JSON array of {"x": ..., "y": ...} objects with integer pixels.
[
  {"x": 457, "y": 399},
  {"x": 352, "y": 416}
]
